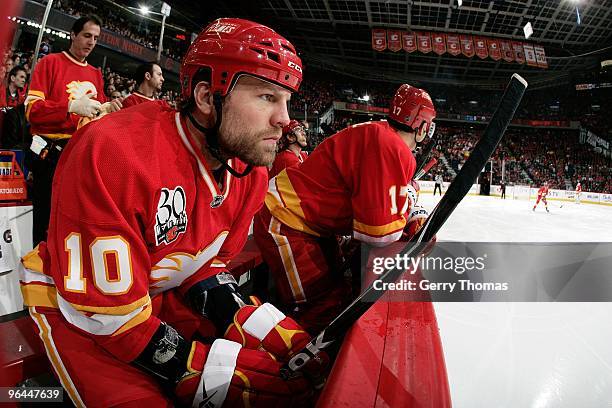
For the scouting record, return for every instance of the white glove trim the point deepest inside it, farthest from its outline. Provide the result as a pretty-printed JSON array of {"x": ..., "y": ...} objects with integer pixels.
[
  {"x": 262, "y": 321},
  {"x": 217, "y": 374}
]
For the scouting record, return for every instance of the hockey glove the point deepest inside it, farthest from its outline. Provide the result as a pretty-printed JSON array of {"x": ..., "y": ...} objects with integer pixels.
[{"x": 226, "y": 374}]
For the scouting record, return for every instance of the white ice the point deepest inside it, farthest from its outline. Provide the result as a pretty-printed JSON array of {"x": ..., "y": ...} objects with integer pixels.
[{"x": 536, "y": 355}]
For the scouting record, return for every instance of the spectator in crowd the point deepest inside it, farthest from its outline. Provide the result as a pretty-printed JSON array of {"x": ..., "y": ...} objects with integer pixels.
[
  {"x": 149, "y": 80},
  {"x": 12, "y": 97},
  {"x": 64, "y": 91},
  {"x": 14, "y": 93},
  {"x": 114, "y": 95}
]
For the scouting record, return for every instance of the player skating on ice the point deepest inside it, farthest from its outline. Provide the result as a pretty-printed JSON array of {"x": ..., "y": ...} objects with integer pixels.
[{"x": 542, "y": 193}]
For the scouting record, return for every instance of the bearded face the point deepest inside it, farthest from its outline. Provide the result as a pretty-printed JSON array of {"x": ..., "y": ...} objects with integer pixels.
[{"x": 253, "y": 116}]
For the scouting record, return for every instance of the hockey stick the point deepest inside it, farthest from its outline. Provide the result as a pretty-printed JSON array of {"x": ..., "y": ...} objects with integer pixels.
[
  {"x": 454, "y": 194},
  {"x": 425, "y": 170},
  {"x": 423, "y": 158}
]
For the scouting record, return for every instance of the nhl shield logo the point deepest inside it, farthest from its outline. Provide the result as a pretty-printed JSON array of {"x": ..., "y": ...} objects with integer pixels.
[{"x": 171, "y": 217}]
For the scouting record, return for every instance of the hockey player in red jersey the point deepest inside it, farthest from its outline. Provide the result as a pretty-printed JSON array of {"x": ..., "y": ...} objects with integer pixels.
[
  {"x": 149, "y": 80},
  {"x": 578, "y": 192},
  {"x": 542, "y": 193},
  {"x": 131, "y": 292},
  {"x": 357, "y": 182},
  {"x": 290, "y": 148}
]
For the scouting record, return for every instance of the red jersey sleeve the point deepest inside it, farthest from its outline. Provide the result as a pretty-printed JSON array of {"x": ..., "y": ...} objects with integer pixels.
[
  {"x": 101, "y": 263},
  {"x": 379, "y": 168},
  {"x": 42, "y": 109}
]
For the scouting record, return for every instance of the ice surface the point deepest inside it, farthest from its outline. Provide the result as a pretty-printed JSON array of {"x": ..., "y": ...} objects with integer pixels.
[{"x": 527, "y": 354}]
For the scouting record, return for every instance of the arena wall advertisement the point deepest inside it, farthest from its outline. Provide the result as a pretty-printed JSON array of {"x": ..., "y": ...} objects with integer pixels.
[{"x": 519, "y": 192}]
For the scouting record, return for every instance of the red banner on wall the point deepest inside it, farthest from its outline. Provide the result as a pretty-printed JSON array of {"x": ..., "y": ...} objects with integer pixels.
[
  {"x": 530, "y": 56},
  {"x": 409, "y": 41},
  {"x": 424, "y": 42},
  {"x": 480, "y": 47},
  {"x": 467, "y": 45},
  {"x": 506, "y": 49},
  {"x": 379, "y": 39},
  {"x": 439, "y": 43},
  {"x": 540, "y": 56},
  {"x": 453, "y": 46},
  {"x": 519, "y": 52},
  {"x": 395, "y": 40},
  {"x": 494, "y": 49}
]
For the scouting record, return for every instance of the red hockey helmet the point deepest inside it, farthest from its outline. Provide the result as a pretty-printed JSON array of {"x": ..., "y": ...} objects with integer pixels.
[
  {"x": 412, "y": 107},
  {"x": 233, "y": 46},
  {"x": 292, "y": 127}
]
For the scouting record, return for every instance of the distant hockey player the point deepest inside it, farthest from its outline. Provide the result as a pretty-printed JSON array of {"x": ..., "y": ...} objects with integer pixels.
[
  {"x": 578, "y": 192},
  {"x": 290, "y": 148},
  {"x": 542, "y": 193}
]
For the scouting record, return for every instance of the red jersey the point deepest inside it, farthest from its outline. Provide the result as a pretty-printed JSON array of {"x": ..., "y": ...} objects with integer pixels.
[
  {"x": 354, "y": 182},
  {"x": 543, "y": 191},
  {"x": 58, "y": 79},
  {"x": 285, "y": 159},
  {"x": 9, "y": 100},
  {"x": 134, "y": 216},
  {"x": 578, "y": 188},
  {"x": 135, "y": 98}
]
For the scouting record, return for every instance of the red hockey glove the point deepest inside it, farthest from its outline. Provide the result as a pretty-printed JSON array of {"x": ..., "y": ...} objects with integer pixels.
[
  {"x": 416, "y": 220},
  {"x": 226, "y": 374},
  {"x": 264, "y": 327}
]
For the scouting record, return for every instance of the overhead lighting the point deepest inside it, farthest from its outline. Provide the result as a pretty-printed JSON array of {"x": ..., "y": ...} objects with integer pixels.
[
  {"x": 528, "y": 30},
  {"x": 459, "y": 3},
  {"x": 144, "y": 10}
]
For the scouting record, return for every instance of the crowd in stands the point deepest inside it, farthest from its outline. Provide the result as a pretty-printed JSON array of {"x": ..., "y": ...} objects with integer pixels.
[
  {"x": 562, "y": 103},
  {"x": 531, "y": 156},
  {"x": 117, "y": 20}
]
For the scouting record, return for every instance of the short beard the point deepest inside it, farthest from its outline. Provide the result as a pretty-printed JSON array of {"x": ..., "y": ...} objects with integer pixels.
[{"x": 236, "y": 140}]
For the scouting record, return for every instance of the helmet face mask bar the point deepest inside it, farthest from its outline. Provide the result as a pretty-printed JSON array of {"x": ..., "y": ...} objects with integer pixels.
[{"x": 230, "y": 48}]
